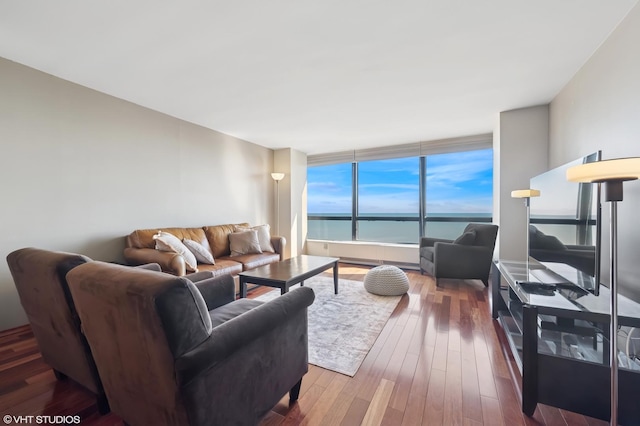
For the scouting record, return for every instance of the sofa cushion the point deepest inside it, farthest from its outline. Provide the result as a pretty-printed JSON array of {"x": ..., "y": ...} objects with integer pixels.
[
  {"x": 199, "y": 251},
  {"x": 169, "y": 242},
  {"x": 253, "y": 260},
  {"x": 264, "y": 236},
  {"x": 143, "y": 238},
  {"x": 218, "y": 238},
  {"x": 244, "y": 242},
  {"x": 222, "y": 266}
]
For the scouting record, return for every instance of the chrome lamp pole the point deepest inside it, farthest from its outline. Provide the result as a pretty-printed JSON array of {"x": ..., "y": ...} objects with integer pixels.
[
  {"x": 612, "y": 173},
  {"x": 277, "y": 177},
  {"x": 526, "y": 194}
]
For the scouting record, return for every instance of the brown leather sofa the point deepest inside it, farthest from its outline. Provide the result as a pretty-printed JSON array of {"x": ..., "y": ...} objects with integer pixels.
[{"x": 140, "y": 249}]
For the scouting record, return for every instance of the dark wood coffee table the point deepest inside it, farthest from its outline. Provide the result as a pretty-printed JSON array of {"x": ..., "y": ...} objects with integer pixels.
[{"x": 289, "y": 272}]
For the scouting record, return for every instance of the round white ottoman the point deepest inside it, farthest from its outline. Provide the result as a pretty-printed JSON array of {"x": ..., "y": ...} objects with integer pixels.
[{"x": 386, "y": 280}]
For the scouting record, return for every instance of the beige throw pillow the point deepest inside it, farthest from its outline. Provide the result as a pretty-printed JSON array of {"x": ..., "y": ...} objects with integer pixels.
[
  {"x": 264, "y": 236},
  {"x": 169, "y": 242},
  {"x": 244, "y": 242},
  {"x": 199, "y": 251}
]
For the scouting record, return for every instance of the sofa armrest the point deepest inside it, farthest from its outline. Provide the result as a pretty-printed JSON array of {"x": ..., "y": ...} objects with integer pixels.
[
  {"x": 231, "y": 336},
  {"x": 217, "y": 291},
  {"x": 170, "y": 262},
  {"x": 279, "y": 243},
  {"x": 477, "y": 260},
  {"x": 430, "y": 242}
]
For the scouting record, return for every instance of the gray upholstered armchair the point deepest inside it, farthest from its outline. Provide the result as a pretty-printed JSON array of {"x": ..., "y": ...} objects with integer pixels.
[
  {"x": 171, "y": 352},
  {"x": 467, "y": 257}
]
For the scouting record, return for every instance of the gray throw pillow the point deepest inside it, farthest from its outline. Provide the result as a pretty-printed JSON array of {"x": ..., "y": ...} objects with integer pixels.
[
  {"x": 199, "y": 251},
  {"x": 169, "y": 242},
  {"x": 244, "y": 242},
  {"x": 466, "y": 239}
]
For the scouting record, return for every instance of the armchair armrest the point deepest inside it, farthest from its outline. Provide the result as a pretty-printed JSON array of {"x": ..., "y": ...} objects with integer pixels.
[
  {"x": 199, "y": 276},
  {"x": 217, "y": 291},
  {"x": 231, "y": 336},
  {"x": 170, "y": 262},
  {"x": 279, "y": 243},
  {"x": 150, "y": 267},
  {"x": 430, "y": 242},
  {"x": 477, "y": 260}
]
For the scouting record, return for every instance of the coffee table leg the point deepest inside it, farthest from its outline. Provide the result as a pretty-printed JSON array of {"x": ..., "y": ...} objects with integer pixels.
[
  {"x": 335, "y": 277},
  {"x": 243, "y": 288}
]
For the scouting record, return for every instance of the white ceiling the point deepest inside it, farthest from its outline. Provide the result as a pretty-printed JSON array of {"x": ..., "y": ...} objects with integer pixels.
[{"x": 317, "y": 76}]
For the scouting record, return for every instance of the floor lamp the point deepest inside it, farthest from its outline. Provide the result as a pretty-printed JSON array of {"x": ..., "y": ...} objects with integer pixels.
[
  {"x": 526, "y": 194},
  {"x": 277, "y": 177},
  {"x": 612, "y": 173}
]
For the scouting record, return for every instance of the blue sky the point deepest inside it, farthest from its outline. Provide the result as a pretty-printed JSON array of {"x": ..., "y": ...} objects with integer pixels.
[{"x": 456, "y": 183}]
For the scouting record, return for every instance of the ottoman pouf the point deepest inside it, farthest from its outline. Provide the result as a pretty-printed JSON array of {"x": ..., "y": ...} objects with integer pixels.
[{"x": 386, "y": 280}]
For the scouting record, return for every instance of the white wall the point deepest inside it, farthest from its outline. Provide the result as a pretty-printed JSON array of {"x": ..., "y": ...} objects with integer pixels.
[
  {"x": 520, "y": 148},
  {"x": 80, "y": 170},
  {"x": 599, "y": 109},
  {"x": 293, "y": 199}
]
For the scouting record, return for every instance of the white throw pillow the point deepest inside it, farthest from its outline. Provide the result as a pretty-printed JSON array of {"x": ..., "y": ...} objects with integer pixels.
[
  {"x": 169, "y": 242},
  {"x": 244, "y": 242},
  {"x": 199, "y": 251},
  {"x": 264, "y": 236}
]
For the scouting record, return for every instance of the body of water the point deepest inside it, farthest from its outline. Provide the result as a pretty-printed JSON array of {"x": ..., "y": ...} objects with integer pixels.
[{"x": 388, "y": 231}]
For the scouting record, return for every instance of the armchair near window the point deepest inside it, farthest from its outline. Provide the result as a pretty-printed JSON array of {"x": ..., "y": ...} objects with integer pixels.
[
  {"x": 467, "y": 257},
  {"x": 171, "y": 352}
]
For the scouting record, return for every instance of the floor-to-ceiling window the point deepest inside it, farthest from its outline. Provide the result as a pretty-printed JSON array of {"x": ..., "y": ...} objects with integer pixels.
[
  {"x": 388, "y": 200},
  {"x": 458, "y": 190},
  {"x": 398, "y": 200},
  {"x": 329, "y": 202}
]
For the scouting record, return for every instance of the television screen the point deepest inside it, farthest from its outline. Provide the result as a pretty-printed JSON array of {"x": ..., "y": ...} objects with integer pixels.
[{"x": 564, "y": 225}]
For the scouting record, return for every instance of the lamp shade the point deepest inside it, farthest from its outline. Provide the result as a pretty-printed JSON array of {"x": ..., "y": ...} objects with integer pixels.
[
  {"x": 525, "y": 193},
  {"x": 277, "y": 176},
  {"x": 606, "y": 170}
]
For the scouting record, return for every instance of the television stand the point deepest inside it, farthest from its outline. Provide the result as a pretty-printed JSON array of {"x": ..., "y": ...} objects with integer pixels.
[{"x": 558, "y": 336}]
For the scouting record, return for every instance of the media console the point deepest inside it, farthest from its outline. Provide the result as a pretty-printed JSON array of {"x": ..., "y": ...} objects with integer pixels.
[{"x": 558, "y": 335}]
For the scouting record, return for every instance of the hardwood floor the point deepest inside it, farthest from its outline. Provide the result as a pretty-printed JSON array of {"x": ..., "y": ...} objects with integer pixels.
[{"x": 438, "y": 361}]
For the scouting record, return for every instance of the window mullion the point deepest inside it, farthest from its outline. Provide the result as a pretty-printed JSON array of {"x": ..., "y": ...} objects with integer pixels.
[
  {"x": 354, "y": 201},
  {"x": 422, "y": 187}
]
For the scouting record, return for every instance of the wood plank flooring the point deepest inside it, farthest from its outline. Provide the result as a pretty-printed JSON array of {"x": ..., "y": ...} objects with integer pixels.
[{"x": 438, "y": 361}]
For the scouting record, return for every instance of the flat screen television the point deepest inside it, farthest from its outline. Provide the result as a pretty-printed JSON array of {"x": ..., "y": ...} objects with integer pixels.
[{"x": 565, "y": 225}]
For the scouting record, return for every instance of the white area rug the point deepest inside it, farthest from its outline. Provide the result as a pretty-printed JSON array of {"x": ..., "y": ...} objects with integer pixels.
[{"x": 343, "y": 327}]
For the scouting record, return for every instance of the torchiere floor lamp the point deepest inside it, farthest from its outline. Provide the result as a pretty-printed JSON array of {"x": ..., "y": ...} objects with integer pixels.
[
  {"x": 526, "y": 194},
  {"x": 277, "y": 177},
  {"x": 612, "y": 173}
]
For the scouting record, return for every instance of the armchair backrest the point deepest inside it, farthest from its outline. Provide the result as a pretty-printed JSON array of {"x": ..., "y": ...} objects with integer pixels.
[
  {"x": 485, "y": 234},
  {"x": 39, "y": 277},
  {"x": 137, "y": 321}
]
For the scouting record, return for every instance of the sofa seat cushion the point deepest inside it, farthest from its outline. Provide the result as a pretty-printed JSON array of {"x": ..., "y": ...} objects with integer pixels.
[
  {"x": 221, "y": 267},
  {"x": 231, "y": 310},
  {"x": 253, "y": 260}
]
